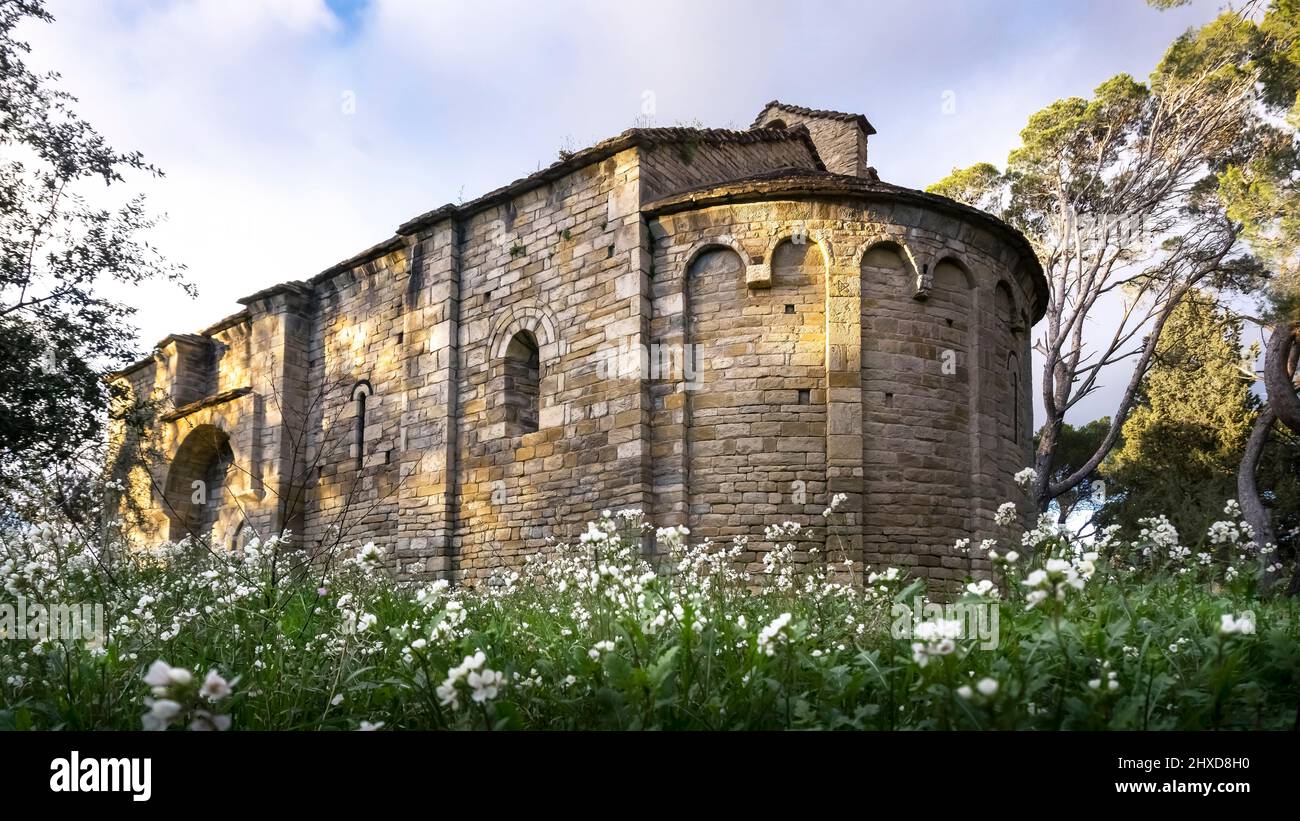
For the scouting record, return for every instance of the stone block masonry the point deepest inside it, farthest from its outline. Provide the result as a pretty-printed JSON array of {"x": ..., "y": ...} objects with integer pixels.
[{"x": 721, "y": 328}]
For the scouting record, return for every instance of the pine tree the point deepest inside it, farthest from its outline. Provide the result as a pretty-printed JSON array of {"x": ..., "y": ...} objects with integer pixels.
[{"x": 1185, "y": 437}]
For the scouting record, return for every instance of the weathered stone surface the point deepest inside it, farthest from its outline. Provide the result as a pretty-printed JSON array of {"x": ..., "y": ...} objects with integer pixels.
[{"x": 712, "y": 326}]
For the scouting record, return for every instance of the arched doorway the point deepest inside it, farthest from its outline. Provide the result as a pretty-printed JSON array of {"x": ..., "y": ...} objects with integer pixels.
[{"x": 197, "y": 494}]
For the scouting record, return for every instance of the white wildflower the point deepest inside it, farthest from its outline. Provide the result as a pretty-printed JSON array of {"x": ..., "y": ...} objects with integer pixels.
[{"x": 1242, "y": 625}]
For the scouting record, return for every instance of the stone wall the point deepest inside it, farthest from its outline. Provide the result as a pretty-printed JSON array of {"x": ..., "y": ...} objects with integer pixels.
[
  {"x": 919, "y": 443},
  {"x": 357, "y": 347},
  {"x": 562, "y": 264},
  {"x": 719, "y": 353},
  {"x": 840, "y": 139},
  {"x": 686, "y": 164}
]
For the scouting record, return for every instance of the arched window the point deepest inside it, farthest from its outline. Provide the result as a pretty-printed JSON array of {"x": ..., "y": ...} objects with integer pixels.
[
  {"x": 360, "y": 392},
  {"x": 522, "y": 389}
]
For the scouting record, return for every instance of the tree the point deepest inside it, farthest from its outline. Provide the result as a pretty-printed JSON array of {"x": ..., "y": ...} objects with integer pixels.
[
  {"x": 1188, "y": 431},
  {"x": 1119, "y": 196},
  {"x": 59, "y": 333},
  {"x": 1262, "y": 194},
  {"x": 1075, "y": 447}
]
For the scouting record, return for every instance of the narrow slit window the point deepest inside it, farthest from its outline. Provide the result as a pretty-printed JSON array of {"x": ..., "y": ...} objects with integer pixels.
[
  {"x": 359, "y": 395},
  {"x": 1014, "y": 368}
]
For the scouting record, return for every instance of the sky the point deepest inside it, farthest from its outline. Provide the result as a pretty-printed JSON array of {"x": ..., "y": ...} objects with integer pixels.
[{"x": 296, "y": 133}]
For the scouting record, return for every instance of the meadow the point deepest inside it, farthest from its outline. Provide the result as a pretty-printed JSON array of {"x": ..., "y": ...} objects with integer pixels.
[{"x": 1158, "y": 632}]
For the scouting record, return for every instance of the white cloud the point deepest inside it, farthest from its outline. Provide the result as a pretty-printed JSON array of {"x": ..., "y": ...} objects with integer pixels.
[{"x": 268, "y": 179}]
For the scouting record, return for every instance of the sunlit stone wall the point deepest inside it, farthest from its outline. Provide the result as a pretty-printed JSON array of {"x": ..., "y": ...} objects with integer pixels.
[
  {"x": 908, "y": 328},
  {"x": 704, "y": 325}
]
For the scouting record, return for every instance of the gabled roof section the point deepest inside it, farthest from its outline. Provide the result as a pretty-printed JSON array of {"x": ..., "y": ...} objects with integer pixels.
[
  {"x": 819, "y": 113},
  {"x": 229, "y": 322},
  {"x": 633, "y": 137},
  {"x": 292, "y": 286},
  {"x": 580, "y": 159},
  {"x": 644, "y": 137},
  {"x": 388, "y": 246},
  {"x": 193, "y": 339}
]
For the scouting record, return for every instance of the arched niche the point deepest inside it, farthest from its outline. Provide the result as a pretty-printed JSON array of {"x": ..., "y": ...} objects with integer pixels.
[
  {"x": 797, "y": 264},
  {"x": 1004, "y": 306},
  {"x": 952, "y": 275},
  {"x": 521, "y": 387},
  {"x": 714, "y": 260},
  {"x": 888, "y": 264},
  {"x": 714, "y": 277},
  {"x": 1016, "y": 396},
  {"x": 198, "y": 497},
  {"x": 948, "y": 308}
]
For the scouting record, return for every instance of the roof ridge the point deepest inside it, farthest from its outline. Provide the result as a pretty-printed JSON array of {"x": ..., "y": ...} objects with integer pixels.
[
  {"x": 612, "y": 145},
  {"x": 636, "y": 136},
  {"x": 822, "y": 113}
]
